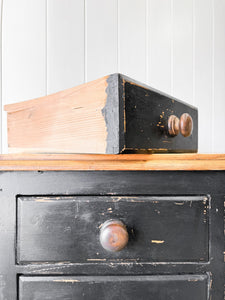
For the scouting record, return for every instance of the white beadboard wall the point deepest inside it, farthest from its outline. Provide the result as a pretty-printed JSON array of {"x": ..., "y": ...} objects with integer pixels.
[{"x": 177, "y": 46}]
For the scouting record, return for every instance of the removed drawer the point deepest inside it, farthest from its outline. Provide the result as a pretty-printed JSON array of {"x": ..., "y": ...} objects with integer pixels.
[
  {"x": 157, "y": 229},
  {"x": 112, "y": 114}
]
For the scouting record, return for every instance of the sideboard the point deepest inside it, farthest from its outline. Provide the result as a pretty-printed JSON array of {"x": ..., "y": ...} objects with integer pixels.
[{"x": 112, "y": 227}]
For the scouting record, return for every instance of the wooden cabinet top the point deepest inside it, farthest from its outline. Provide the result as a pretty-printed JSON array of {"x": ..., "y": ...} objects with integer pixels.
[{"x": 61, "y": 162}]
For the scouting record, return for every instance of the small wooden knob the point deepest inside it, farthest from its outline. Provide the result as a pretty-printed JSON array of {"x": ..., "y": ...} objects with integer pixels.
[
  {"x": 186, "y": 125},
  {"x": 113, "y": 235},
  {"x": 173, "y": 125}
]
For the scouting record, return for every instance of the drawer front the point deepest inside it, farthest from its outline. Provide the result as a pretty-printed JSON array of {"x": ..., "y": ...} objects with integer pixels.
[
  {"x": 172, "y": 287},
  {"x": 66, "y": 229}
]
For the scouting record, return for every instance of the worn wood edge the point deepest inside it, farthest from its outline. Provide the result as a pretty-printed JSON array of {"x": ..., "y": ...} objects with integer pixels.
[
  {"x": 123, "y": 157},
  {"x": 110, "y": 113},
  {"x": 122, "y": 113},
  {"x": 123, "y": 162},
  {"x": 61, "y": 94}
]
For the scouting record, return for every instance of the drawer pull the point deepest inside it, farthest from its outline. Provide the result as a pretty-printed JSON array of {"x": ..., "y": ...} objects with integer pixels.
[
  {"x": 173, "y": 125},
  {"x": 184, "y": 125},
  {"x": 113, "y": 235}
]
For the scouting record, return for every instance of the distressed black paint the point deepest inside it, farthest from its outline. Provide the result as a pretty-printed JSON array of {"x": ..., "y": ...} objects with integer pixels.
[
  {"x": 147, "y": 114},
  {"x": 136, "y": 118},
  {"x": 105, "y": 183},
  {"x": 161, "y": 229},
  {"x": 185, "y": 287},
  {"x": 111, "y": 114}
]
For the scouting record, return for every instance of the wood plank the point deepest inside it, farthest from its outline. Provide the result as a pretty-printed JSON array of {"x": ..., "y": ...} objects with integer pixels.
[
  {"x": 203, "y": 70},
  {"x": 119, "y": 157},
  {"x": 58, "y": 130},
  {"x": 56, "y": 96},
  {"x": 113, "y": 162},
  {"x": 1, "y": 127},
  {"x": 101, "y": 38},
  {"x": 65, "y": 44},
  {"x": 132, "y": 39},
  {"x": 183, "y": 50},
  {"x": 159, "y": 44},
  {"x": 219, "y": 77},
  {"x": 23, "y": 53}
]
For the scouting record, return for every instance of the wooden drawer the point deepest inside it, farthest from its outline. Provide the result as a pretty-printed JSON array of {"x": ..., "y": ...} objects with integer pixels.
[
  {"x": 171, "y": 287},
  {"x": 113, "y": 114},
  {"x": 67, "y": 228}
]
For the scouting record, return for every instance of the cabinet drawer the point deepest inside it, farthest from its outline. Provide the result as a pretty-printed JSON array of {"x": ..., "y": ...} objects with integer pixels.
[
  {"x": 67, "y": 228},
  {"x": 171, "y": 287}
]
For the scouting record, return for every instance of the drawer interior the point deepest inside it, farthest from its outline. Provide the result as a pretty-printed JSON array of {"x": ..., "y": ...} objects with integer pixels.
[
  {"x": 161, "y": 287},
  {"x": 66, "y": 228}
]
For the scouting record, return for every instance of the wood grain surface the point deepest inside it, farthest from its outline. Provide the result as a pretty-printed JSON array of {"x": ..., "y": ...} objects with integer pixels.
[
  {"x": 48, "y": 162},
  {"x": 69, "y": 119},
  {"x": 111, "y": 115}
]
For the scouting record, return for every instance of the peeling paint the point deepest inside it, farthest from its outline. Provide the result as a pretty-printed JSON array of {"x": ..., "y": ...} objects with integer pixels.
[
  {"x": 44, "y": 200},
  {"x": 96, "y": 259},
  {"x": 157, "y": 241},
  {"x": 66, "y": 280}
]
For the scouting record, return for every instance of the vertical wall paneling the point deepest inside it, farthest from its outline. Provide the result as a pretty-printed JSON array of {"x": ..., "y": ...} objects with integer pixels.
[
  {"x": 101, "y": 38},
  {"x": 159, "y": 39},
  {"x": 1, "y": 5},
  {"x": 65, "y": 44},
  {"x": 177, "y": 46},
  {"x": 23, "y": 52},
  {"x": 183, "y": 50},
  {"x": 132, "y": 38},
  {"x": 219, "y": 76},
  {"x": 203, "y": 71}
]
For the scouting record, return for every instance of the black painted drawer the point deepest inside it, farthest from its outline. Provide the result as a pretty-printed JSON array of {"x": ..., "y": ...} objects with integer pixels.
[
  {"x": 123, "y": 116},
  {"x": 172, "y": 287},
  {"x": 66, "y": 228}
]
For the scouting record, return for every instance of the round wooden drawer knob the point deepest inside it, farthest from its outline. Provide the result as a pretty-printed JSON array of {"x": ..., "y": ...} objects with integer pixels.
[
  {"x": 186, "y": 125},
  {"x": 173, "y": 125},
  {"x": 113, "y": 235}
]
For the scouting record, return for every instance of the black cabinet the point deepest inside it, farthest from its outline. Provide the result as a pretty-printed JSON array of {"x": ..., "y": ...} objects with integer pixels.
[{"x": 50, "y": 235}]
